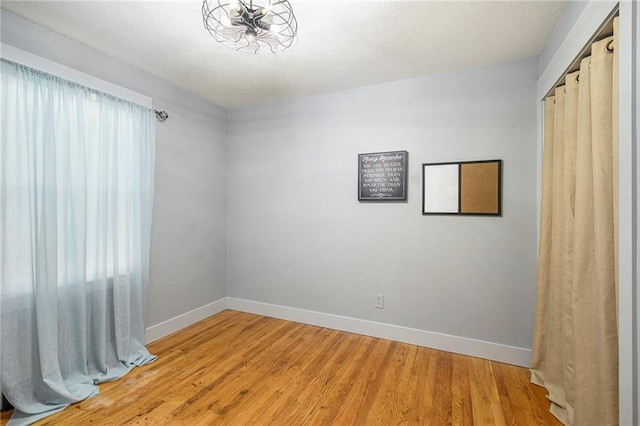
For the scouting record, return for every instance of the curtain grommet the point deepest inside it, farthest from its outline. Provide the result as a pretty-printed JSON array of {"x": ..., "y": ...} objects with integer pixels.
[{"x": 609, "y": 47}]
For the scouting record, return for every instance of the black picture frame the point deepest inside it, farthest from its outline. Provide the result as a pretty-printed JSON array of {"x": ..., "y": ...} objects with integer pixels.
[
  {"x": 466, "y": 188},
  {"x": 382, "y": 176}
]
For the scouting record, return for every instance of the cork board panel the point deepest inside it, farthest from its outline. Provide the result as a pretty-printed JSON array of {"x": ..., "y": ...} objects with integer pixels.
[{"x": 480, "y": 188}]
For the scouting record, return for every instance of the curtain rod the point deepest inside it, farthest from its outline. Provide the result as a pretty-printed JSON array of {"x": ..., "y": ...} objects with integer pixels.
[
  {"x": 161, "y": 115},
  {"x": 604, "y": 30}
]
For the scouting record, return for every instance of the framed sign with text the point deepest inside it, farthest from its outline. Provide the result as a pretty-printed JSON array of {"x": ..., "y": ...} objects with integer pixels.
[{"x": 382, "y": 176}]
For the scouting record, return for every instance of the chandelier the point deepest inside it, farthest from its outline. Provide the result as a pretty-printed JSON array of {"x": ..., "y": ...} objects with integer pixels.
[{"x": 251, "y": 26}]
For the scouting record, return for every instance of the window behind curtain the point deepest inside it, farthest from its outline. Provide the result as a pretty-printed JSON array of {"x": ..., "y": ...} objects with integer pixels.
[{"x": 68, "y": 155}]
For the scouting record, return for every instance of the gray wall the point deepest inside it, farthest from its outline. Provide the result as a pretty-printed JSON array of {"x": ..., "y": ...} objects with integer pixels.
[
  {"x": 298, "y": 236},
  {"x": 636, "y": 136},
  {"x": 188, "y": 241},
  {"x": 189, "y": 234},
  {"x": 570, "y": 14}
]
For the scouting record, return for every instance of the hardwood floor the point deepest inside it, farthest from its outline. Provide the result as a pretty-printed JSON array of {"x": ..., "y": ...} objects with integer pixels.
[{"x": 242, "y": 369}]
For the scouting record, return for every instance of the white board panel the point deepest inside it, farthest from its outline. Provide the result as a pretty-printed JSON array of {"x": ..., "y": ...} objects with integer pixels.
[{"x": 441, "y": 188}]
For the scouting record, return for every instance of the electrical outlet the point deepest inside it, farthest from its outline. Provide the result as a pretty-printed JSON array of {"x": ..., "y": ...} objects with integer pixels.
[{"x": 379, "y": 301}]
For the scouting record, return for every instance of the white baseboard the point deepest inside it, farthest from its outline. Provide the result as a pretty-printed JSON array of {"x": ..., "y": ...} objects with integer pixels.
[
  {"x": 461, "y": 345},
  {"x": 174, "y": 324},
  {"x": 444, "y": 342}
]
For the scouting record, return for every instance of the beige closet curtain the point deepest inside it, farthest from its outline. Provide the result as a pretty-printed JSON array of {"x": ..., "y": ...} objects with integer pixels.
[{"x": 575, "y": 346}]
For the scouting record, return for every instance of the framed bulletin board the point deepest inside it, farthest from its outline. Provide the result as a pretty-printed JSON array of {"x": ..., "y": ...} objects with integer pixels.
[
  {"x": 462, "y": 188},
  {"x": 382, "y": 176}
]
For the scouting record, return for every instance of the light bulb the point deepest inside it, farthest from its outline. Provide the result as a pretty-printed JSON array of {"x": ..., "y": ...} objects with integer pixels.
[{"x": 251, "y": 34}]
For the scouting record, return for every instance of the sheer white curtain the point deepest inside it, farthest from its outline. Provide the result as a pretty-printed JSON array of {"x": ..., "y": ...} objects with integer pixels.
[{"x": 76, "y": 188}]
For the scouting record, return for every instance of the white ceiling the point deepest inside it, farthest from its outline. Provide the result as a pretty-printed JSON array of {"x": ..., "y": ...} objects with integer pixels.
[{"x": 340, "y": 44}]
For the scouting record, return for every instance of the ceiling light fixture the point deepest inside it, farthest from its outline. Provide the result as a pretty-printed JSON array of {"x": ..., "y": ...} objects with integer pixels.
[{"x": 251, "y": 26}]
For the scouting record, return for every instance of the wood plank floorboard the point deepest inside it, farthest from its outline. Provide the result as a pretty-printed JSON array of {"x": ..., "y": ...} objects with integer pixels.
[{"x": 236, "y": 368}]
